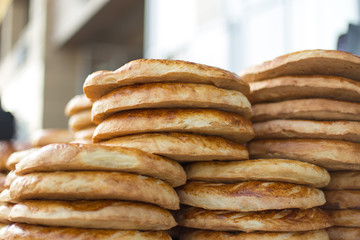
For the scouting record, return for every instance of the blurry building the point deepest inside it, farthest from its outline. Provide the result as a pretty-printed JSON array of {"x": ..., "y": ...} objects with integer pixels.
[{"x": 48, "y": 47}]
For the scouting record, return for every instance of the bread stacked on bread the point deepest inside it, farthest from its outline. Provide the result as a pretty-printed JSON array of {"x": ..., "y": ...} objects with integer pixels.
[
  {"x": 80, "y": 123},
  {"x": 90, "y": 191},
  {"x": 306, "y": 106},
  {"x": 43, "y": 137}
]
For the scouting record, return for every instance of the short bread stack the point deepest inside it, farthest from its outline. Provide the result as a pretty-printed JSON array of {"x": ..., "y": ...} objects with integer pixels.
[
  {"x": 90, "y": 191},
  {"x": 196, "y": 113},
  {"x": 78, "y": 109},
  {"x": 306, "y": 106}
]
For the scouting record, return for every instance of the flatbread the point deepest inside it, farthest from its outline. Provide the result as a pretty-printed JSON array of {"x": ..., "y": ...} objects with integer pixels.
[
  {"x": 16, "y": 157},
  {"x": 2, "y": 181},
  {"x": 342, "y": 199},
  {"x": 249, "y": 196},
  {"x": 10, "y": 177},
  {"x": 202, "y": 121},
  {"x": 5, "y": 196},
  {"x": 344, "y": 180},
  {"x": 260, "y": 169},
  {"x": 217, "y": 235},
  {"x": 140, "y": 71},
  {"x": 47, "y": 136},
  {"x": 93, "y": 214},
  {"x": 94, "y": 186},
  {"x": 307, "y": 109},
  {"x": 345, "y": 218},
  {"x": 30, "y": 232},
  {"x": 330, "y": 154},
  {"x": 287, "y": 220},
  {"x": 296, "y": 87},
  {"x": 307, "y": 62},
  {"x": 77, "y": 104},
  {"x": 78, "y": 157},
  {"x": 170, "y": 95},
  {"x": 343, "y": 233},
  {"x": 183, "y": 147},
  {"x": 287, "y": 128},
  {"x": 81, "y": 120}
]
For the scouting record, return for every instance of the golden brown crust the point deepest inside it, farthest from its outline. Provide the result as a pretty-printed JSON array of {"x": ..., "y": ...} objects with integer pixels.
[
  {"x": 338, "y": 130},
  {"x": 170, "y": 95},
  {"x": 342, "y": 180},
  {"x": 345, "y": 218},
  {"x": 295, "y": 87},
  {"x": 78, "y": 157},
  {"x": 81, "y": 120},
  {"x": 94, "y": 185},
  {"x": 10, "y": 177},
  {"x": 30, "y": 232},
  {"x": 330, "y": 154},
  {"x": 203, "y": 121},
  {"x": 16, "y": 157},
  {"x": 342, "y": 199},
  {"x": 217, "y": 235},
  {"x": 249, "y": 196},
  {"x": 183, "y": 147},
  {"x": 260, "y": 169},
  {"x": 155, "y": 70},
  {"x": 287, "y": 220},
  {"x": 307, "y": 62},
  {"x": 6, "y": 149},
  {"x": 44, "y": 137},
  {"x": 310, "y": 109},
  {"x": 343, "y": 233},
  {"x": 77, "y": 104},
  {"x": 93, "y": 214}
]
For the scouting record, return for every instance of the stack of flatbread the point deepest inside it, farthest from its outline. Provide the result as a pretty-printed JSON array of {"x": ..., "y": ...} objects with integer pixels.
[
  {"x": 90, "y": 191},
  {"x": 43, "y": 137},
  {"x": 306, "y": 106},
  {"x": 79, "y": 111}
]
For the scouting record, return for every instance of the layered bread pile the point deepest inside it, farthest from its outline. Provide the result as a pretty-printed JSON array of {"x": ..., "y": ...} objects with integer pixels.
[
  {"x": 306, "y": 106},
  {"x": 196, "y": 113},
  {"x": 43, "y": 137},
  {"x": 78, "y": 109},
  {"x": 90, "y": 191}
]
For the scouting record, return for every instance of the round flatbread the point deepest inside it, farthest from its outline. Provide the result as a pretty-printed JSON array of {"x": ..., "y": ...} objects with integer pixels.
[
  {"x": 44, "y": 137},
  {"x": 202, "y": 121},
  {"x": 217, "y": 235},
  {"x": 5, "y": 196},
  {"x": 307, "y": 62},
  {"x": 30, "y": 232},
  {"x": 287, "y": 220},
  {"x": 249, "y": 196},
  {"x": 6, "y": 149},
  {"x": 183, "y": 147},
  {"x": 170, "y": 95},
  {"x": 338, "y": 130},
  {"x": 260, "y": 169},
  {"x": 342, "y": 199},
  {"x": 85, "y": 134},
  {"x": 154, "y": 70},
  {"x": 10, "y": 177},
  {"x": 307, "y": 109},
  {"x": 296, "y": 87},
  {"x": 330, "y": 154},
  {"x": 94, "y": 185},
  {"x": 344, "y": 180},
  {"x": 344, "y": 233},
  {"x": 78, "y": 157},
  {"x": 77, "y": 104},
  {"x": 345, "y": 217},
  {"x": 97, "y": 214},
  {"x": 81, "y": 120},
  {"x": 16, "y": 157}
]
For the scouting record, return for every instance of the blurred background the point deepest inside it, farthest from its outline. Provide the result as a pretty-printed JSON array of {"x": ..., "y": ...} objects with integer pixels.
[{"x": 48, "y": 47}]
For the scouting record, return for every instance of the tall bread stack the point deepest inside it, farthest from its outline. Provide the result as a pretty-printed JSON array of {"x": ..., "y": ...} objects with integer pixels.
[
  {"x": 78, "y": 109},
  {"x": 196, "y": 113},
  {"x": 306, "y": 106}
]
